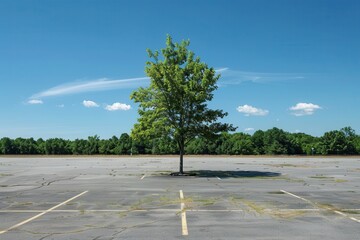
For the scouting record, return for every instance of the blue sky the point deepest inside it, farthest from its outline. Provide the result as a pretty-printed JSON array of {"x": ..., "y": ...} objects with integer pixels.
[{"x": 67, "y": 67}]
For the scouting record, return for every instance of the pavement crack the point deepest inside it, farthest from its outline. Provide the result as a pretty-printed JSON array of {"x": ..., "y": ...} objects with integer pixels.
[
  {"x": 49, "y": 235},
  {"x": 57, "y": 180}
]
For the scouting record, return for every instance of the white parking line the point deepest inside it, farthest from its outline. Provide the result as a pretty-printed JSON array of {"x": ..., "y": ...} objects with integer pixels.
[
  {"x": 291, "y": 194},
  {"x": 340, "y": 213},
  {"x": 163, "y": 210},
  {"x": 42, "y": 213},
  {"x": 218, "y": 178},
  {"x": 354, "y": 219},
  {"x": 184, "y": 228},
  {"x": 327, "y": 208},
  {"x": 143, "y": 177}
]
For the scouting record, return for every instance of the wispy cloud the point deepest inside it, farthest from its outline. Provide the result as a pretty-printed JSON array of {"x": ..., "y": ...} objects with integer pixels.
[
  {"x": 118, "y": 106},
  {"x": 35, "y": 101},
  {"x": 90, "y": 104},
  {"x": 233, "y": 77},
  {"x": 91, "y": 86},
  {"x": 303, "y": 109},
  {"x": 229, "y": 77},
  {"x": 249, "y": 129},
  {"x": 248, "y": 110}
]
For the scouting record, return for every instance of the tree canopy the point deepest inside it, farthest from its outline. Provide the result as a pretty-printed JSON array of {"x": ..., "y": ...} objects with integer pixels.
[
  {"x": 175, "y": 103},
  {"x": 271, "y": 142}
]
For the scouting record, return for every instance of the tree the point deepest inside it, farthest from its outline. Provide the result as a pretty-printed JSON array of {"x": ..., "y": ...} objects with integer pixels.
[
  {"x": 242, "y": 144},
  {"x": 93, "y": 145},
  {"x": 124, "y": 144},
  {"x": 6, "y": 146},
  {"x": 258, "y": 141},
  {"x": 175, "y": 103},
  {"x": 276, "y": 142},
  {"x": 339, "y": 142}
]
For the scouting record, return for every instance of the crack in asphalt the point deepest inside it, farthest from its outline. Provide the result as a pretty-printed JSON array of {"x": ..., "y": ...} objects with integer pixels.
[{"x": 56, "y": 180}]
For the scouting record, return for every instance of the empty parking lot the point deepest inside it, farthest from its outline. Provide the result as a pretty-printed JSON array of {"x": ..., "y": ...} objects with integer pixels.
[{"x": 135, "y": 198}]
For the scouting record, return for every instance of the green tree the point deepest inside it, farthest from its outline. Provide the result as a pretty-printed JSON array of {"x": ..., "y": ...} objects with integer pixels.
[
  {"x": 7, "y": 146},
  {"x": 197, "y": 146},
  {"x": 57, "y": 146},
  {"x": 339, "y": 142},
  {"x": 175, "y": 103},
  {"x": 276, "y": 141},
  {"x": 124, "y": 144},
  {"x": 304, "y": 144},
  {"x": 79, "y": 146},
  {"x": 258, "y": 141},
  {"x": 40, "y": 146},
  {"x": 93, "y": 145},
  {"x": 242, "y": 144}
]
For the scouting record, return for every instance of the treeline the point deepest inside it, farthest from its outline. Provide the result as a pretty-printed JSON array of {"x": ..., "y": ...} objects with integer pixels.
[{"x": 271, "y": 142}]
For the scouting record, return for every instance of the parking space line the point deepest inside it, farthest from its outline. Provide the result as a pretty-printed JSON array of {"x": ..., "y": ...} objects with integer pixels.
[
  {"x": 143, "y": 177},
  {"x": 165, "y": 210},
  {"x": 184, "y": 228},
  {"x": 354, "y": 219},
  {"x": 42, "y": 213},
  {"x": 291, "y": 194},
  {"x": 327, "y": 208}
]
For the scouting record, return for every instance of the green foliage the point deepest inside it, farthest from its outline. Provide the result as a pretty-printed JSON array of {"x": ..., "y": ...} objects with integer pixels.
[
  {"x": 175, "y": 104},
  {"x": 339, "y": 142},
  {"x": 273, "y": 141}
]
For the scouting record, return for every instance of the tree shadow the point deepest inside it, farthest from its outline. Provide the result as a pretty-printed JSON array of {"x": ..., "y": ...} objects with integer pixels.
[{"x": 228, "y": 174}]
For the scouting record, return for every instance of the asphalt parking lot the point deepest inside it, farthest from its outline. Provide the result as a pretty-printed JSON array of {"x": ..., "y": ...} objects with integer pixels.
[{"x": 135, "y": 198}]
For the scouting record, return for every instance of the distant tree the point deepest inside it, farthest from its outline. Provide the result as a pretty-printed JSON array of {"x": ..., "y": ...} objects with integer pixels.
[
  {"x": 175, "y": 103},
  {"x": 6, "y": 146},
  {"x": 303, "y": 144},
  {"x": 141, "y": 146},
  {"x": 222, "y": 143},
  {"x": 164, "y": 145},
  {"x": 242, "y": 144},
  {"x": 93, "y": 145},
  {"x": 79, "y": 146},
  {"x": 57, "y": 146},
  {"x": 125, "y": 144},
  {"x": 107, "y": 146},
  {"x": 258, "y": 141},
  {"x": 357, "y": 144},
  {"x": 197, "y": 146},
  {"x": 40, "y": 146},
  {"x": 339, "y": 142},
  {"x": 276, "y": 141}
]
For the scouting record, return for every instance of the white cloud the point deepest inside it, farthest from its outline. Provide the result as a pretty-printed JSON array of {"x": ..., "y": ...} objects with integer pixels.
[
  {"x": 61, "y": 105},
  {"x": 249, "y": 129},
  {"x": 91, "y": 86},
  {"x": 118, "y": 106},
  {"x": 89, "y": 104},
  {"x": 303, "y": 109},
  {"x": 35, "y": 101},
  {"x": 252, "y": 111},
  {"x": 228, "y": 77}
]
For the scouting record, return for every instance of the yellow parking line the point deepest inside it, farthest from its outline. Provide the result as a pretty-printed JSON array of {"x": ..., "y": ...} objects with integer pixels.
[{"x": 184, "y": 228}]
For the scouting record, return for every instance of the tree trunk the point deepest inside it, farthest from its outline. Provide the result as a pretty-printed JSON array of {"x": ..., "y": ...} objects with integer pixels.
[{"x": 181, "y": 169}]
